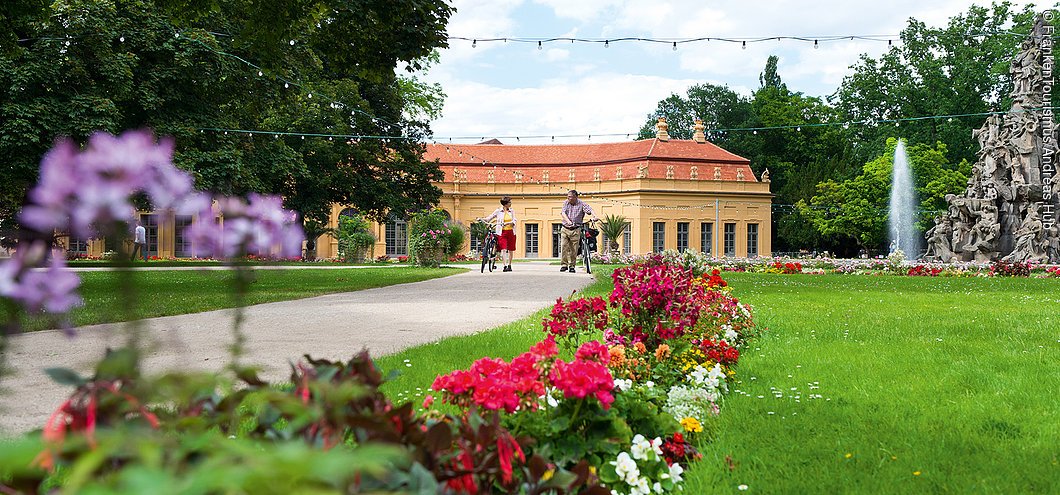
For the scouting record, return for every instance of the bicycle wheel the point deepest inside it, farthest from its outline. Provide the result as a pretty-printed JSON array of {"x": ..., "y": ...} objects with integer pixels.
[
  {"x": 486, "y": 250},
  {"x": 586, "y": 254},
  {"x": 493, "y": 255}
]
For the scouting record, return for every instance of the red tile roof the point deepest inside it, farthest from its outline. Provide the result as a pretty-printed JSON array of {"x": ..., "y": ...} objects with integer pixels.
[{"x": 476, "y": 161}]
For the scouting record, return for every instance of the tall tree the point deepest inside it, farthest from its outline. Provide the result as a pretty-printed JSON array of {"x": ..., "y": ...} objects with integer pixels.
[
  {"x": 718, "y": 106},
  {"x": 178, "y": 67},
  {"x": 857, "y": 208},
  {"x": 962, "y": 68}
]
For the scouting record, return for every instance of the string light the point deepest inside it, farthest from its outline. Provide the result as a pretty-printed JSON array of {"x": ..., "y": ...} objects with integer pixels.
[
  {"x": 743, "y": 40},
  {"x": 675, "y": 46}
]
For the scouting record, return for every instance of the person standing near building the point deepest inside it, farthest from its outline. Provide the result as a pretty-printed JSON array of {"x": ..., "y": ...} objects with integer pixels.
[
  {"x": 139, "y": 241},
  {"x": 505, "y": 229},
  {"x": 573, "y": 215}
]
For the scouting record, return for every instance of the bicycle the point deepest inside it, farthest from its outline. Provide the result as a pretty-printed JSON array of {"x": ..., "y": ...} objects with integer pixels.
[
  {"x": 489, "y": 251},
  {"x": 586, "y": 242}
]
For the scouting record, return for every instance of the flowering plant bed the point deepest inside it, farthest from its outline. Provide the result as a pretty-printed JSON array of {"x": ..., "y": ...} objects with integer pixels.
[{"x": 628, "y": 404}]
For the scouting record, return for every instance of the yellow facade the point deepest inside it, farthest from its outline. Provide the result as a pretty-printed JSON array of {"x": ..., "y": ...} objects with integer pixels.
[{"x": 644, "y": 202}]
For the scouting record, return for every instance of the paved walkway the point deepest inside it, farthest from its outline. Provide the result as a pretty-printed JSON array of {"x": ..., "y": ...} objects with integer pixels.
[{"x": 383, "y": 320}]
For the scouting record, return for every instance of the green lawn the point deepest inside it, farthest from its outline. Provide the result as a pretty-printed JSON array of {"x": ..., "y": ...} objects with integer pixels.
[
  {"x": 926, "y": 385},
  {"x": 173, "y": 292},
  {"x": 931, "y": 385}
]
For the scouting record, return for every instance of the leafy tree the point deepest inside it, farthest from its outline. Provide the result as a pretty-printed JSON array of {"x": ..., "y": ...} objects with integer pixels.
[
  {"x": 172, "y": 65},
  {"x": 718, "y": 106},
  {"x": 857, "y": 208},
  {"x": 962, "y": 68}
]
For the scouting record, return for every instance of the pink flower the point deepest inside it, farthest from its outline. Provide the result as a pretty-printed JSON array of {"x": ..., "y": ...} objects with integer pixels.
[{"x": 594, "y": 351}]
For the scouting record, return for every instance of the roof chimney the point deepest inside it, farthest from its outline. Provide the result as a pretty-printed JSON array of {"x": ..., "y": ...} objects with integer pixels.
[
  {"x": 698, "y": 136},
  {"x": 660, "y": 130}
]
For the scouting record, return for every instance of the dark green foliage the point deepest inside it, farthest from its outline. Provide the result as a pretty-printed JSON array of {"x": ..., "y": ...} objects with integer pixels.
[
  {"x": 331, "y": 431},
  {"x": 87, "y": 66}
]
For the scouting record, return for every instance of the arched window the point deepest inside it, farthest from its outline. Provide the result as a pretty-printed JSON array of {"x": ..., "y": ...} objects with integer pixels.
[{"x": 348, "y": 212}]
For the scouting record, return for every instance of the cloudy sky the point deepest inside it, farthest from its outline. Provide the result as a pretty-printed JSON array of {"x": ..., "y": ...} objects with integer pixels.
[{"x": 512, "y": 89}]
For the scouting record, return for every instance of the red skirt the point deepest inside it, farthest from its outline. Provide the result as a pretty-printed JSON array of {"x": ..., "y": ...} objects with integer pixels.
[{"x": 506, "y": 241}]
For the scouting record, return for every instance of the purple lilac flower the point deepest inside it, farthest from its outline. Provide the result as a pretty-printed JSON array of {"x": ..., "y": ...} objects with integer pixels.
[
  {"x": 261, "y": 227},
  {"x": 52, "y": 290},
  {"x": 90, "y": 190}
]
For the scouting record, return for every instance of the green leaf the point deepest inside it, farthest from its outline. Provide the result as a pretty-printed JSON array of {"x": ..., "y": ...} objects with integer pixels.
[{"x": 65, "y": 376}]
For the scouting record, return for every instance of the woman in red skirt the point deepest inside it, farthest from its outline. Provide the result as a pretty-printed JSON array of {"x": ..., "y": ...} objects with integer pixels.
[{"x": 505, "y": 228}]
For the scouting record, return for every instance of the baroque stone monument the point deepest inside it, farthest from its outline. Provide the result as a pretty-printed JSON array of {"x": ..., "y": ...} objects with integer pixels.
[{"x": 1008, "y": 210}]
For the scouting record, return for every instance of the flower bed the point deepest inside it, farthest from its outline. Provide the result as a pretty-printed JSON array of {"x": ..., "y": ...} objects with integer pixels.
[
  {"x": 629, "y": 404},
  {"x": 896, "y": 264}
]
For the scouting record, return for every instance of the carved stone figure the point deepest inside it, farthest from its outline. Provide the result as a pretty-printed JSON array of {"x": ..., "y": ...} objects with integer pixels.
[
  {"x": 1029, "y": 239},
  {"x": 998, "y": 215},
  {"x": 938, "y": 240}
]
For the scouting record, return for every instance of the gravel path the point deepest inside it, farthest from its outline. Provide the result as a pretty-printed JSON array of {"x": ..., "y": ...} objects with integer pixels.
[{"x": 383, "y": 320}]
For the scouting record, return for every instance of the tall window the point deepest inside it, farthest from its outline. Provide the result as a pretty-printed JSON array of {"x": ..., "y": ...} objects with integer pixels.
[
  {"x": 150, "y": 223},
  {"x": 397, "y": 237},
  {"x": 531, "y": 240},
  {"x": 752, "y": 240},
  {"x": 76, "y": 245},
  {"x": 181, "y": 242},
  {"x": 706, "y": 238},
  {"x": 682, "y": 237},
  {"x": 555, "y": 239},
  {"x": 476, "y": 239},
  {"x": 730, "y": 240},
  {"x": 627, "y": 239},
  {"x": 658, "y": 236}
]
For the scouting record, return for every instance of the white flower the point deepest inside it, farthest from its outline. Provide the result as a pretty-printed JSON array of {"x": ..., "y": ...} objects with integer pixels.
[
  {"x": 641, "y": 487},
  {"x": 623, "y": 385},
  {"x": 675, "y": 472},
  {"x": 626, "y": 468},
  {"x": 657, "y": 487},
  {"x": 649, "y": 384},
  {"x": 742, "y": 487},
  {"x": 656, "y": 445},
  {"x": 731, "y": 335},
  {"x": 551, "y": 401},
  {"x": 640, "y": 447}
]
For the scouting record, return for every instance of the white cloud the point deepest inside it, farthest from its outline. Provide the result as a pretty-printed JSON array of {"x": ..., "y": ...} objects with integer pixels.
[
  {"x": 556, "y": 54},
  {"x": 584, "y": 88},
  {"x": 597, "y": 103}
]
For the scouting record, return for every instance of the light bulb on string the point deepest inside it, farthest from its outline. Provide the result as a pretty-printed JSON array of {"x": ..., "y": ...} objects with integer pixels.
[
  {"x": 798, "y": 129},
  {"x": 292, "y": 42},
  {"x": 122, "y": 39},
  {"x": 260, "y": 73},
  {"x": 755, "y": 132},
  {"x": 744, "y": 45},
  {"x": 538, "y": 45},
  {"x": 474, "y": 43},
  {"x": 607, "y": 43},
  {"x": 310, "y": 95},
  {"x": 675, "y": 46},
  {"x": 286, "y": 85},
  {"x": 814, "y": 44}
]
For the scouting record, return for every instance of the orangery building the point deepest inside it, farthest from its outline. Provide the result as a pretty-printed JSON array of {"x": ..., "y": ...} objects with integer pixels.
[{"x": 675, "y": 194}]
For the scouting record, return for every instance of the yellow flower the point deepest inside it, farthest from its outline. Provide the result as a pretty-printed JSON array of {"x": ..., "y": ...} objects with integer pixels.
[
  {"x": 916, "y": 473},
  {"x": 548, "y": 475},
  {"x": 849, "y": 455},
  {"x": 692, "y": 425}
]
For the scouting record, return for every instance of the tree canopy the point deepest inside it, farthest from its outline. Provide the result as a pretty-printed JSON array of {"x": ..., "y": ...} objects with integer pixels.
[
  {"x": 814, "y": 147},
  {"x": 180, "y": 67}
]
